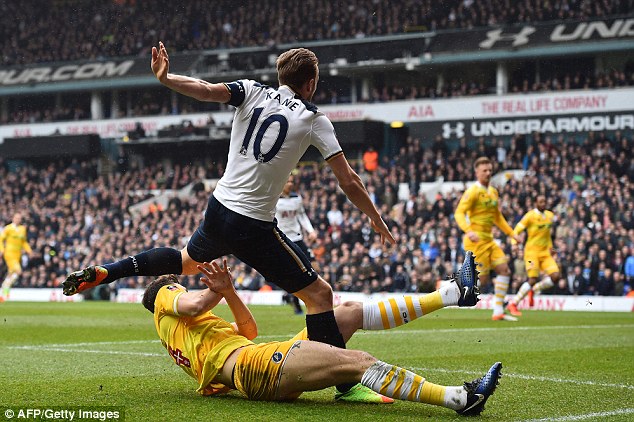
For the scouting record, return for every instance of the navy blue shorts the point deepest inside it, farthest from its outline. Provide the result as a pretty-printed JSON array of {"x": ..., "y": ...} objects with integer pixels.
[
  {"x": 307, "y": 251},
  {"x": 259, "y": 244}
]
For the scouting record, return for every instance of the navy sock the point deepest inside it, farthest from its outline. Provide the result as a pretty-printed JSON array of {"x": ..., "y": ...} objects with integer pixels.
[
  {"x": 157, "y": 261},
  {"x": 324, "y": 329}
]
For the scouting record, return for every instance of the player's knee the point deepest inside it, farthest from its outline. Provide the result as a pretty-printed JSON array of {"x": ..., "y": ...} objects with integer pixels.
[
  {"x": 352, "y": 306},
  {"x": 357, "y": 357},
  {"x": 317, "y": 295},
  {"x": 503, "y": 270},
  {"x": 555, "y": 277},
  {"x": 324, "y": 291},
  {"x": 189, "y": 265}
]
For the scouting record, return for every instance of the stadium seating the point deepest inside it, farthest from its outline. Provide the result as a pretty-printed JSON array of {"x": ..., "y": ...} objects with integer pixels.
[{"x": 78, "y": 216}]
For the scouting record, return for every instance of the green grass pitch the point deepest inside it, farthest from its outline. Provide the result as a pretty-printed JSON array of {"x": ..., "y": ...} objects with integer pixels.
[{"x": 560, "y": 366}]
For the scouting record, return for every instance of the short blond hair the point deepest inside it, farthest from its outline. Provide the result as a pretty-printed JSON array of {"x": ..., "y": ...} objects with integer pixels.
[
  {"x": 480, "y": 161},
  {"x": 297, "y": 66}
]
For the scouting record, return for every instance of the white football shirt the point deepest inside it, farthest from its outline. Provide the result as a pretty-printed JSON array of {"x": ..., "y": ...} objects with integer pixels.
[
  {"x": 272, "y": 128},
  {"x": 291, "y": 217}
]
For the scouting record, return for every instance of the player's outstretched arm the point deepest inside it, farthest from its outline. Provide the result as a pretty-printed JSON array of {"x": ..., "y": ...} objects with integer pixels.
[
  {"x": 219, "y": 279},
  {"x": 196, "y": 303},
  {"x": 501, "y": 222},
  {"x": 192, "y": 87},
  {"x": 353, "y": 187}
]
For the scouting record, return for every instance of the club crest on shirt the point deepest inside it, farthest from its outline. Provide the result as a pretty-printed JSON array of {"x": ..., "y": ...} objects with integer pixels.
[
  {"x": 172, "y": 288},
  {"x": 277, "y": 357}
]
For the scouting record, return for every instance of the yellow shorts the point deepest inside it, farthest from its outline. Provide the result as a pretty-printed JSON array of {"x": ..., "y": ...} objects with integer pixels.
[
  {"x": 537, "y": 261},
  {"x": 13, "y": 263},
  {"x": 259, "y": 368},
  {"x": 488, "y": 255}
]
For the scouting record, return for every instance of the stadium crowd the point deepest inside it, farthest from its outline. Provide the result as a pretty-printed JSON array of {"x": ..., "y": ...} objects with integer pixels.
[
  {"x": 33, "y": 31},
  {"x": 77, "y": 215},
  {"x": 149, "y": 103}
]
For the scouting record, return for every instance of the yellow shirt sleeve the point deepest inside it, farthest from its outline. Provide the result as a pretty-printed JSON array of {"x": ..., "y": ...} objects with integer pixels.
[
  {"x": 521, "y": 226},
  {"x": 501, "y": 222},
  {"x": 465, "y": 204},
  {"x": 166, "y": 302}
]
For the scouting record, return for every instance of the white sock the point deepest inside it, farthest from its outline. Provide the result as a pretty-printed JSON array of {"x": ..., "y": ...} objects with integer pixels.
[
  {"x": 501, "y": 287},
  {"x": 399, "y": 383},
  {"x": 522, "y": 292},
  {"x": 545, "y": 284},
  {"x": 397, "y": 311}
]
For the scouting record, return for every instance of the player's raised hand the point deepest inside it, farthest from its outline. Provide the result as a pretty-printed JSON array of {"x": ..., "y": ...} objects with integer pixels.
[
  {"x": 381, "y": 228},
  {"x": 217, "y": 278},
  {"x": 160, "y": 62}
]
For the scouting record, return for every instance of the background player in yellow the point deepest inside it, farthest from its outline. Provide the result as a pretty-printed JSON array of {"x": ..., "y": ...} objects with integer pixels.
[
  {"x": 477, "y": 212},
  {"x": 537, "y": 252},
  {"x": 221, "y": 356},
  {"x": 13, "y": 240}
]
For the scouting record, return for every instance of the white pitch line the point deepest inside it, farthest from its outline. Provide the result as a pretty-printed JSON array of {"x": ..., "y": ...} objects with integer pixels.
[
  {"x": 97, "y": 343},
  {"x": 528, "y": 377},
  {"x": 105, "y": 352},
  {"x": 466, "y": 330},
  {"x": 496, "y": 328},
  {"x": 373, "y": 332},
  {"x": 584, "y": 416}
]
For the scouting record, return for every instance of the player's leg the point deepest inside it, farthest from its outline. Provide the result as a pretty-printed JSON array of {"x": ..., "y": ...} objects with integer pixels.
[
  {"x": 266, "y": 248},
  {"x": 549, "y": 266},
  {"x": 501, "y": 284},
  {"x": 312, "y": 366},
  {"x": 461, "y": 291},
  {"x": 153, "y": 262},
  {"x": 204, "y": 246},
  {"x": 532, "y": 263},
  {"x": 281, "y": 261},
  {"x": 488, "y": 256},
  {"x": 525, "y": 289},
  {"x": 14, "y": 269}
]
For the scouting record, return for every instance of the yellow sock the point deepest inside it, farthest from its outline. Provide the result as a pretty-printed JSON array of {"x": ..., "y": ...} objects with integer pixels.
[
  {"x": 398, "y": 383},
  {"x": 395, "y": 312}
]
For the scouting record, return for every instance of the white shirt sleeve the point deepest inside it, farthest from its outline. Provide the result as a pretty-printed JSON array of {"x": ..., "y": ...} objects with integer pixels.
[{"x": 324, "y": 137}]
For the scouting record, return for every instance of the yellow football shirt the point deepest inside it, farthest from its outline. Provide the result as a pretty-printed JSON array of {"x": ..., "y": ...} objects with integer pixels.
[
  {"x": 538, "y": 227},
  {"x": 13, "y": 239},
  {"x": 199, "y": 345},
  {"x": 478, "y": 211}
]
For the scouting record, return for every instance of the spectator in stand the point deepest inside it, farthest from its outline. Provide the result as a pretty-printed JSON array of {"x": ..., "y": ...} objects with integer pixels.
[{"x": 370, "y": 160}]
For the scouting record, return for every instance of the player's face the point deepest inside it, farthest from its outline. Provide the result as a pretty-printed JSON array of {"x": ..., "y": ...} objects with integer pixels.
[
  {"x": 483, "y": 173},
  {"x": 288, "y": 187},
  {"x": 540, "y": 203},
  {"x": 17, "y": 219}
]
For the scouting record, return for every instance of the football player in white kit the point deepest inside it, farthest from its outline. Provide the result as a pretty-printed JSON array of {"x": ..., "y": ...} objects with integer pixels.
[
  {"x": 292, "y": 220},
  {"x": 272, "y": 128}
]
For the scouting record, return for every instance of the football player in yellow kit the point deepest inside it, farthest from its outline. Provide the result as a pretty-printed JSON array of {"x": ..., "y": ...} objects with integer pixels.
[
  {"x": 477, "y": 212},
  {"x": 13, "y": 240},
  {"x": 221, "y": 356},
  {"x": 537, "y": 252}
]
